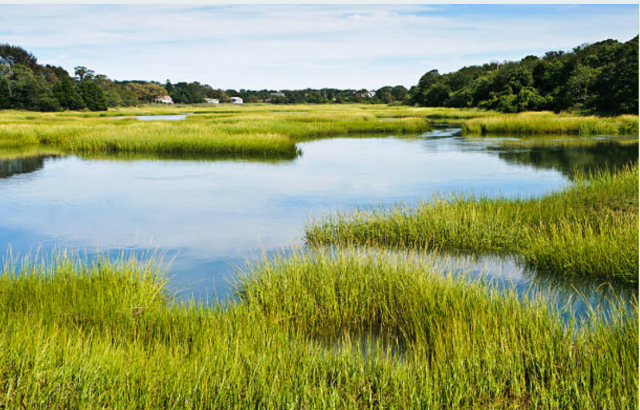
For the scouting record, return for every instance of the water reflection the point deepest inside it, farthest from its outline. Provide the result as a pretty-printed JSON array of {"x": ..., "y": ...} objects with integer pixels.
[
  {"x": 22, "y": 165},
  {"x": 210, "y": 215},
  {"x": 582, "y": 159},
  {"x": 174, "y": 117}
]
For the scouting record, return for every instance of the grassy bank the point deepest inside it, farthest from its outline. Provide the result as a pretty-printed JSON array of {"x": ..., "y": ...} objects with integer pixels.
[
  {"x": 589, "y": 228},
  {"x": 267, "y": 130},
  {"x": 530, "y": 123},
  {"x": 347, "y": 330},
  {"x": 249, "y": 131}
]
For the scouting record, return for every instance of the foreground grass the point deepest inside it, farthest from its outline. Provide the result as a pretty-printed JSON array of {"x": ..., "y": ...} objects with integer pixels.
[
  {"x": 529, "y": 123},
  {"x": 312, "y": 330},
  {"x": 587, "y": 229}
]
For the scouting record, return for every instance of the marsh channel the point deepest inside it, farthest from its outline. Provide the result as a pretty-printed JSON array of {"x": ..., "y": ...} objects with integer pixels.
[{"x": 208, "y": 217}]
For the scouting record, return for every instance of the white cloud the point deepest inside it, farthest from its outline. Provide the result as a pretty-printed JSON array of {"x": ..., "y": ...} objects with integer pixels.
[{"x": 298, "y": 46}]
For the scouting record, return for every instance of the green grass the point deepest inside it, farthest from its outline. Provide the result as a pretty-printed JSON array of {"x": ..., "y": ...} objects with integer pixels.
[
  {"x": 312, "y": 330},
  {"x": 529, "y": 123},
  {"x": 588, "y": 229},
  {"x": 548, "y": 141},
  {"x": 266, "y": 130},
  {"x": 248, "y": 131}
]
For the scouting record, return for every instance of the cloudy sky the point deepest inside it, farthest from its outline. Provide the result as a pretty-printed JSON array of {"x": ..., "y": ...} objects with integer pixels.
[{"x": 285, "y": 47}]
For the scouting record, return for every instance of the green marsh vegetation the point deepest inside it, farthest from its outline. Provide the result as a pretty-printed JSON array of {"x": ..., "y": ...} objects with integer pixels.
[
  {"x": 264, "y": 130},
  {"x": 536, "y": 123},
  {"x": 250, "y": 131},
  {"x": 590, "y": 228},
  {"x": 344, "y": 329}
]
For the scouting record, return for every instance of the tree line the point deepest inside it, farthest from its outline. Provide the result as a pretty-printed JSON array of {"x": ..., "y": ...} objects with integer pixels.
[
  {"x": 599, "y": 78},
  {"x": 27, "y": 85}
]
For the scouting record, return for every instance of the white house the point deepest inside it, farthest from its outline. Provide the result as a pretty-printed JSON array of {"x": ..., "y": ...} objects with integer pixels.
[
  {"x": 212, "y": 101},
  {"x": 165, "y": 99},
  {"x": 236, "y": 100},
  {"x": 278, "y": 94}
]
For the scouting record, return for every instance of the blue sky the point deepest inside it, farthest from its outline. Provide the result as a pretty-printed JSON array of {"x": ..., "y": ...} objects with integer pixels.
[{"x": 289, "y": 46}]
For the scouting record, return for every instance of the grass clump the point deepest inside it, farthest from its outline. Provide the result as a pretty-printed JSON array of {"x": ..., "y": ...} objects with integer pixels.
[
  {"x": 77, "y": 334},
  {"x": 530, "y": 123},
  {"x": 589, "y": 228}
]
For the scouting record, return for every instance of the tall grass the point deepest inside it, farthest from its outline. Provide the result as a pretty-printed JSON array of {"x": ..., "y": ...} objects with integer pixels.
[
  {"x": 549, "y": 123},
  {"x": 588, "y": 228},
  {"x": 313, "y": 330}
]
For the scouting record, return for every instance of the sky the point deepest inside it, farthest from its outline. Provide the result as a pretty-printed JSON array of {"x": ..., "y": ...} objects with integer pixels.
[{"x": 301, "y": 46}]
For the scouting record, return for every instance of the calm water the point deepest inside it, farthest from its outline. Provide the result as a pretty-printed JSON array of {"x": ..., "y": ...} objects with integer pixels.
[
  {"x": 212, "y": 215},
  {"x": 176, "y": 117}
]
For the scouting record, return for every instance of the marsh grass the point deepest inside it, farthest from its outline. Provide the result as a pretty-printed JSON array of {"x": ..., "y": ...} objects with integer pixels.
[
  {"x": 529, "y": 123},
  {"x": 78, "y": 333},
  {"x": 589, "y": 228},
  {"x": 267, "y": 130},
  {"x": 249, "y": 131},
  {"x": 27, "y": 151},
  {"x": 549, "y": 141}
]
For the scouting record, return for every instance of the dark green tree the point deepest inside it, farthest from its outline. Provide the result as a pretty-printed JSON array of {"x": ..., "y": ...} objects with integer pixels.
[
  {"x": 93, "y": 96},
  {"x": 12, "y": 55},
  {"x": 69, "y": 98},
  {"x": 5, "y": 94}
]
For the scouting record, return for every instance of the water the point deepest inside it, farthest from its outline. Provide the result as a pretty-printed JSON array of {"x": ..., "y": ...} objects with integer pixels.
[
  {"x": 211, "y": 215},
  {"x": 171, "y": 117},
  {"x": 176, "y": 117}
]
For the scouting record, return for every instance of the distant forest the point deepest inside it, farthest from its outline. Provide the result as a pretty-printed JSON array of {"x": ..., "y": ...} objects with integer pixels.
[{"x": 600, "y": 78}]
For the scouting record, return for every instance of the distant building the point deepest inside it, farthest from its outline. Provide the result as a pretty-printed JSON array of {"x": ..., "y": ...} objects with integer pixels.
[
  {"x": 165, "y": 99},
  {"x": 236, "y": 100},
  {"x": 277, "y": 94},
  {"x": 368, "y": 94},
  {"x": 212, "y": 101}
]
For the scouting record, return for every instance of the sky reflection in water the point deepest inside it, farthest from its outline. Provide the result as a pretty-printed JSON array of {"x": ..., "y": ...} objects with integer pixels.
[{"x": 210, "y": 215}]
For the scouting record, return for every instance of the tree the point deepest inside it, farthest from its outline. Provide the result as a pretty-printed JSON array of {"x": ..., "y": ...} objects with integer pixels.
[
  {"x": 399, "y": 93},
  {"x": 83, "y": 73},
  {"x": 49, "y": 103},
  {"x": 93, "y": 96},
  {"x": 12, "y": 55},
  {"x": 5, "y": 94},
  {"x": 24, "y": 87},
  {"x": 67, "y": 95},
  {"x": 145, "y": 91},
  {"x": 597, "y": 78}
]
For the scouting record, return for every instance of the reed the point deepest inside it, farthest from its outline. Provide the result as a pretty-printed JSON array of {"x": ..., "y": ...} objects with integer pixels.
[{"x": 342, "y": 329}]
